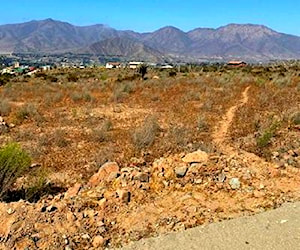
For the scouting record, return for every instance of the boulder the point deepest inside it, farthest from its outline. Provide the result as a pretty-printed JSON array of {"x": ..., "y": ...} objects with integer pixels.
[
  {"x": 104, "y": 173},
  {"x": 198, "y": 156}
]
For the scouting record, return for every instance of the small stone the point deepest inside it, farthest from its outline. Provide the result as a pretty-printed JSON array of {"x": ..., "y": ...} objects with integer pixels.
[
  {"x": 166, "y": 183},
  {"x": 10, "y": 211},
  {"x": 221, "y": 177},
  {"x": 98, "y": 241},
  {"x": 198, "y": 181},
  {"x": 51, "y": 208},
  {"x": 73, "y": 191},
  {"x": 85, "y": 236},
  {"x": 124, "y": 195},
  {"x": 35, "y": 165},
  {"x": 198, "y": 156},
  {"x": 283, "y": 221},
  {"x": 142, "y": 177},
  {"x": 181, "y": 171},
  {"x": 235, "y": 183}
]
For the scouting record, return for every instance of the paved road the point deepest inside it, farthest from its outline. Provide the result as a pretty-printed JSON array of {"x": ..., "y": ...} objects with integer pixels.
[{"x": 276, "y": 229}]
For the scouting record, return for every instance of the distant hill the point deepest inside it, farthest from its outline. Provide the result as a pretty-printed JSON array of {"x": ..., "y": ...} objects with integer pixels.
[
  {"x": 124, "y": 47},
  {"x": 233, "y": 41}
]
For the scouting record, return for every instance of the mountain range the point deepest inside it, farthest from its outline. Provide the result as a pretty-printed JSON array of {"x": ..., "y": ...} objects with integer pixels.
[{"x": 233, "y": 41}]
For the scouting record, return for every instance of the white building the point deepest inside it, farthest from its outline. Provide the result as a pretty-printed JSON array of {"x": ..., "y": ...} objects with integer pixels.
[
  {"x": 134, "y": 65},
  {"x": 113, "y": 65}
]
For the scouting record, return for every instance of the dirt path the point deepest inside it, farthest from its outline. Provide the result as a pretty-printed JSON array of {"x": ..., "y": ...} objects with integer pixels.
[
  {"x": 220, "y": 139},
  {"x": 220, "y": 134}
]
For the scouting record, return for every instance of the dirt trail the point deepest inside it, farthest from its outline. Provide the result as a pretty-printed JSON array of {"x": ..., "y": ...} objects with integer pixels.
[
  {"x": 221, "y": 131},
  {"x": 220, "y": 139}
]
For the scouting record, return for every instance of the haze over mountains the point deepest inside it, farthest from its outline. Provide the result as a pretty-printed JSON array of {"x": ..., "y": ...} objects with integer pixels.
[{"x": 233, "y": 41}]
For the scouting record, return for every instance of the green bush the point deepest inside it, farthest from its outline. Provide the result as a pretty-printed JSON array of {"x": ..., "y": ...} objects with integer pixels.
[
  {"x": 13, "y": 163},
  {"x": 265, "y": 138}
]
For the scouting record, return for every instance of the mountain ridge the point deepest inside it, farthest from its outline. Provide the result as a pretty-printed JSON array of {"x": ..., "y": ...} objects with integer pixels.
[{"x": 247, "y": 41}]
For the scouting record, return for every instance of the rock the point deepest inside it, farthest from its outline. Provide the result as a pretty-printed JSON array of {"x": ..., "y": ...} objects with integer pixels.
[
  {"x": 198, "y": 181},
  {"x": 73, "y": 191},
  {"x": 124, "y": 195},
  {"x": 104, "y": 173},
  {"x": 235, "y": 183},
  {"x": 198, "y": 156},
  {"x": 35, "y": 165},
  {"x": 51, "y": 208},
  {"x": 181, "y": 171},
  {"x": 10, "y": 211},
  {"x": 98, "y": 241},
  {"x": 221, "y": 177},
  {"x": 142, "y": 177},
  {"x": 85, "y": 236}
]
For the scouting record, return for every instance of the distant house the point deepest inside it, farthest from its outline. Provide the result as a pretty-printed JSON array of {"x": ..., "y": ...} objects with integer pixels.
[
  {"x": 113, "y": 65},
  {"x": 134, "y": 65},
  {"x": 45, "y": 67},
  {"x": 16, "y": 64},
  {"x": 236, "y": 64},
  {"x": 166, "y": 66}
]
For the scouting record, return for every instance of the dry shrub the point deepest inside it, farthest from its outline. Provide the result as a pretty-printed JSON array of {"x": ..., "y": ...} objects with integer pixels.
[
  {"x": 28, "y": 111},
  {"x": 295, "y": 119},
  {"x": 144, "y": 136},
  {"x": 59, "y": 138},
  {"x": 100, "y": 134},
  {"x": 5, "y": 108}
]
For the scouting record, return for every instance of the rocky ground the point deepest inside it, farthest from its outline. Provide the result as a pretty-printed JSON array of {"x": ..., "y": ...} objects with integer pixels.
[{"x": 123, "y": 204}]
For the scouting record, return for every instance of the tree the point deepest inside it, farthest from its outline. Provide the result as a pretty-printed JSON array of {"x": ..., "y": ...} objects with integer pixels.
[{"x": 142, "y": 70}]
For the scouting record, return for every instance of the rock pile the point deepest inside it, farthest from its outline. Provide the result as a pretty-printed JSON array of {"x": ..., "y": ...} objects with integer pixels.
[{"x": 120, "y": 204}]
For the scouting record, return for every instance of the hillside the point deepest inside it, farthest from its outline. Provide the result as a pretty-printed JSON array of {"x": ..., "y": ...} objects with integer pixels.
[{"x": 125, "y": 48}]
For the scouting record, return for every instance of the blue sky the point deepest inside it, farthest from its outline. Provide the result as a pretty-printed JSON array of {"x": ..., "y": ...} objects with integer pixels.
[{"x": 149, "y": 15}]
